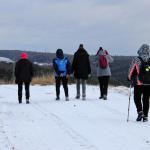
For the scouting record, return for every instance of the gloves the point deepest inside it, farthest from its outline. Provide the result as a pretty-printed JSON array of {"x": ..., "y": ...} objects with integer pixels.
[
  {"x": 89, "y": 75},
  {"x": 71, "y": 75},
  {"x": 61, "y": 75}
]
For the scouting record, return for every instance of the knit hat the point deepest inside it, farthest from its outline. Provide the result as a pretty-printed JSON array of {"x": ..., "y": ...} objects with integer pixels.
[
  {"x": 81, "y": 46},
  {"x": 100, "y": 51},
  {"x": 24, "y": 55},
  {"x": 144, "y": 52},
  {"x": 100, "y": 48}
]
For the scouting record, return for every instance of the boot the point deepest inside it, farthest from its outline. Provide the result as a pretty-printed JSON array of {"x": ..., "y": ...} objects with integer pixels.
[
  {"x": 83, "y": 98},
  {"x": 27, "y": 101},
  {"x": 77, "y": 97},
  {"x": 57, "y": 98},
  {"x": 101, "y": 97},
  {"x": 67, "y": 98},
  {"x": 105, "y": 97},
  {"x": 140, "y": 116},
  {"x": 20, "y": 100},
  {"x": 145, "y": 119}
]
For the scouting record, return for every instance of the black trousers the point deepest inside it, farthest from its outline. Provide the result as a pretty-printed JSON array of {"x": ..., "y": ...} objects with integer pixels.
[
  {"x": 141, "y": 98},
  {"x": 64, "y": 81},
  {"x": 27, "y": 91},
  {"x": 103, "y": 82}
]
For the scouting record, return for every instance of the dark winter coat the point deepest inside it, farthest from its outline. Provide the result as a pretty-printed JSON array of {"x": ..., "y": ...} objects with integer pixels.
[
  {"x": 81, "y": 64},
  {"x": 23, "y": 71}
]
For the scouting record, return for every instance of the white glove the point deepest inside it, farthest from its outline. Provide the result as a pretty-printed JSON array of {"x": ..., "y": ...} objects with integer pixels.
[
  {"x": 71, "y": 75},
  {"x": 89, "y": 75}
]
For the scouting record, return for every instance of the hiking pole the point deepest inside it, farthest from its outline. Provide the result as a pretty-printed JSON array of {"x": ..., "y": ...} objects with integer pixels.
[{"x": 129, "y": 102}]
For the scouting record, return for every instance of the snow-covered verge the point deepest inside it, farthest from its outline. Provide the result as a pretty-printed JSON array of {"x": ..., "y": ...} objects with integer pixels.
[
  {"x": 7, "y": 60},
  {"x": 46, "y": 124},
  {"x": 43, "y": 64}
]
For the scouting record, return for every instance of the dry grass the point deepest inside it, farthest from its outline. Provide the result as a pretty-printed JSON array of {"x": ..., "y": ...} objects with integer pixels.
[
  {"x": 44, "y": 80},
  {"x": 6, "y": 82}
]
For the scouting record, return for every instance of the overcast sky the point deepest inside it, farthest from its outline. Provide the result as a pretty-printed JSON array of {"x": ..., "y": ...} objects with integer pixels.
[{"x": 120, "y": 26}]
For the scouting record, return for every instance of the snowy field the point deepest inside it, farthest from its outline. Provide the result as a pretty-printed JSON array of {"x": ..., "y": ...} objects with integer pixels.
[{"x": 46, "y": 124}]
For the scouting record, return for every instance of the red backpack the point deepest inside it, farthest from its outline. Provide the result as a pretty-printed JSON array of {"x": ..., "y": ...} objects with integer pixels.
[{"x": 103, "y": 62}]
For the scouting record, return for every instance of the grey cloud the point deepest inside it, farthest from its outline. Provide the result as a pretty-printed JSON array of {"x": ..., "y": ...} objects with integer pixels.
[{"x": 121, "y": 26}]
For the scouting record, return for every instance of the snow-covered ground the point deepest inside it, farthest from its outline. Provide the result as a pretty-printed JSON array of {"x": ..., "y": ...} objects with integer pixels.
[{"x": 46, "y": 124}]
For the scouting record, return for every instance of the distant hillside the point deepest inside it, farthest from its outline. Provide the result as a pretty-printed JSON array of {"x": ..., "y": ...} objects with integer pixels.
[
  {"x": 39, "y": 57},
  {"x": 119, "y": 67},
  {"x": 4, "y": 59}
]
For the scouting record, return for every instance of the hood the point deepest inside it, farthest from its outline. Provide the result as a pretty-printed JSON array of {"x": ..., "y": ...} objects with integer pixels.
[
  {"x": 81, "y": 51},
  {"x": 144, "y": 52},
  {"x": 101, "y": 52},
  {"x": 59, "y": 53}
]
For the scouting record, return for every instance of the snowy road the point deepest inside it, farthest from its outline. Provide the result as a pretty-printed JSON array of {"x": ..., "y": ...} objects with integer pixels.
[{"x": 47, "y": 124}]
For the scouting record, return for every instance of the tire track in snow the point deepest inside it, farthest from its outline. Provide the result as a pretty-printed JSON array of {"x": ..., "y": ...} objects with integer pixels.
[
  {"x": 113, "y": 110},
  {"x": 75, "y": 136},
  {"x": 117, "y": 112}
]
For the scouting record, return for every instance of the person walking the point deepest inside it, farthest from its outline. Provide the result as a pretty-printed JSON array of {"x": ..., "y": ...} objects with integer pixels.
[
  {"x": 81, "y": 70},
  {"x": 62, "y": 68},
  {"x": 103, "y": 71},
  {"x": 23, "y": 75},
  {"x": 139, "y": 75}
]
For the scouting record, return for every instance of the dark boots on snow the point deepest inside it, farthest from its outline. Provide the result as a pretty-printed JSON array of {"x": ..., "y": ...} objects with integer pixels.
[
  {"x": 101, "y": 97},
  {"x": 77, "y": 97},
  {"x": 141, "y": 116},
  {"x": 104, "y": 97},
  {"x": 145, "y": 119},
  {"x": 20, "y": 100},
  {"x": 57, "y": 98},
  {"x": 27, "y": 101}
]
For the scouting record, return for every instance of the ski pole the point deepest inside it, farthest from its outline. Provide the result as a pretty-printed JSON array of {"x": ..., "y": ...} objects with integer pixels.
[{"x": 129, "y": 102}]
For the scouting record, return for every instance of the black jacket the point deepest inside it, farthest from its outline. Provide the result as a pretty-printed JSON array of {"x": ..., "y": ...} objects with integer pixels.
[
  {"x": 81, "y": 64},
  {"x": 23, "y": 71}
]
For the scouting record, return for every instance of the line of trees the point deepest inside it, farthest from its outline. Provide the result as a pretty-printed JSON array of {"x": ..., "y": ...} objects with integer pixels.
[{"x": 119, "y": 67}]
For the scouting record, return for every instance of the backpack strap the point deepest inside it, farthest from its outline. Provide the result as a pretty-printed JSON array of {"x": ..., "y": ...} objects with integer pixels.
[
  {"x": 148, "y": 60},
  {"x": 143, "y": 63},
  {"x": 141, "y": 59}
]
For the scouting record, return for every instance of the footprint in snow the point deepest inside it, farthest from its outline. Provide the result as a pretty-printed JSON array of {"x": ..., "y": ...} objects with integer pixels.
[{"x": 148, "y": 142}]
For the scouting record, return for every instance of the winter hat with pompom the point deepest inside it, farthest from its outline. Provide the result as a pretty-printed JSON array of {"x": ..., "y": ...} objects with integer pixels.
[{"x": 24, "y": 55}]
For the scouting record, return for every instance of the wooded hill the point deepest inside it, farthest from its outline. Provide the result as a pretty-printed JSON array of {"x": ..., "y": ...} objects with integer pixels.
[{"x": 119, "y": 67}]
